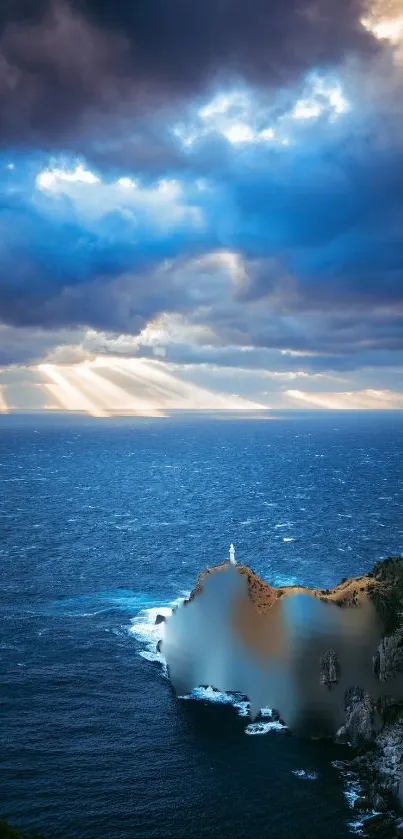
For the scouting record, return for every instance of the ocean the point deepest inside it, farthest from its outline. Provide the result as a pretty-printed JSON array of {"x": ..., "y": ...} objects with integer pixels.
[{"x": 105, "y": 523}]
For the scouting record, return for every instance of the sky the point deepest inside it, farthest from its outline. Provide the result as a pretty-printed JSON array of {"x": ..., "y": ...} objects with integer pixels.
[{"x": 201, "y": 205}]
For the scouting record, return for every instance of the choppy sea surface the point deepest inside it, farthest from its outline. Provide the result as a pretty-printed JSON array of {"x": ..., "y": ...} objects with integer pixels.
[{"x": 105, "y": 523}]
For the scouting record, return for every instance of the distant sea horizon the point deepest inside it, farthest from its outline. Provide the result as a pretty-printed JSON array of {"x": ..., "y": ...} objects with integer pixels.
[{"x": 14, "y": 414}]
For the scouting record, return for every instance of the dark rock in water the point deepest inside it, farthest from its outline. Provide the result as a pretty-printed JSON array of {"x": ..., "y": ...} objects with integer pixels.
[
  {"x": 363, "y": 721},
  {"x": 399, "y": 829},
  {"x": 379, "y": 803},
  {"x": 380, "y": 825},
  {"x": 329, "y": 668},
  {"x": 341, "y": 735},
  {"x": 390, "y": 708},
  {"x": 357, "y": 763},
  {"x": 388, "y": 759},
  {"x": 388, "y": 661},
  {"x": 361, "y": 803},
  {"x": 159, "y": 646},
  {"x": 159, "y": 619}
]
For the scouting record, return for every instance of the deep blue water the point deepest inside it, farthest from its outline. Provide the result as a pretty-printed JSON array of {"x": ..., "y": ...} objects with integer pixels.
[{"x": 102, "y": 521}]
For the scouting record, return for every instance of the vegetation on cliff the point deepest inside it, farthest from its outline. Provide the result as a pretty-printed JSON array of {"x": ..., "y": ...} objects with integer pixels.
[{"x": 383, "y": 585}]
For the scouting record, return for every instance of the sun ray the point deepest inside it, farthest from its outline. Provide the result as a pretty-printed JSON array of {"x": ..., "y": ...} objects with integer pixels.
[
  {"x": 349, "y": 400},
  {"x": 3, "y": 403},
  {"x": 176, "y": 393},
  {"x": 111, "y": 395},
  {"x": 139, "y": 387},
  {"x": 68, "y": 395}
]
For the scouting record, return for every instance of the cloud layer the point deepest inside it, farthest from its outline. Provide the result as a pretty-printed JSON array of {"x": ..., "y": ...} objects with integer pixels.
[{"x": 217, "y": 187}]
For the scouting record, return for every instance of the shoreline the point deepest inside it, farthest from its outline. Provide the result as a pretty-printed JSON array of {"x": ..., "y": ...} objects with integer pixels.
[{"x": 372, "y": 727}]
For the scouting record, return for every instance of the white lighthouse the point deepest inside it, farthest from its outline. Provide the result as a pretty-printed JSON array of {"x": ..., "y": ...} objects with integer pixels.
[{"x": 232, "y": 554}]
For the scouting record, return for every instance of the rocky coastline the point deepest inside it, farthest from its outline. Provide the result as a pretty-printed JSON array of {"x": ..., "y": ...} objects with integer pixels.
[{"x": 373, "y": 727}]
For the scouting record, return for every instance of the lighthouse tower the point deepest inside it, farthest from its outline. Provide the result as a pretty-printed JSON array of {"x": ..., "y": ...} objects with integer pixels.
[{"x": 232, "y": 554}]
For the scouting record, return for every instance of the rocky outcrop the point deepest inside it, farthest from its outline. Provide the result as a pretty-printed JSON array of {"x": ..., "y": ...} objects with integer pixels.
[
  {"x": 350, "y": 591},
  {"x": 388, "y": 758},
  {"x": 385, "y": 588},
  {"x": 373, "y": 726},
  {"x": 329, "y": 668},
  {"x": 376, "y": 729},
  {"x": 160, "y": 619},
  {"x": 262, "y": 594},
  {"x": 388, "y": 661},
  {"x": 363, "y": 721}
]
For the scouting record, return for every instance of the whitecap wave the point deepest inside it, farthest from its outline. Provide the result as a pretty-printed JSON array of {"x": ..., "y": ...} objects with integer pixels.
[
  {"x": 147, "y": 632},
  {"x": 306, "y": 774},
  {"x": 255, "y": 728},
  {"x": 209, "y": 694},
  {"x": 218, "y": 697},
  {"x": 144, "y": 628},
  {"x": 151, "y": 656},
  {"x": 90, "y": 605},
  {"x": 242, "y": 708},
  {"x": 266, "y": 712},
  {"x": 352, "y": 790},
  {"x": 351, "y": 785}
]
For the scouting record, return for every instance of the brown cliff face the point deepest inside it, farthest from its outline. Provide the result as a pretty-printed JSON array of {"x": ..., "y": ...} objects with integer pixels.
[
  {"x": 349, "y": 592},
  {"x": 262, "y": 594},
  {"x": 257, "y": 617},
  {"x": 383, "y": 586}
]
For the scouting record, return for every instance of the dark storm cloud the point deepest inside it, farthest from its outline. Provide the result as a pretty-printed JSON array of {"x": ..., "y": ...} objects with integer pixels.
[
  {"x": 42, "y": 262},
  {"x": 312, "y": 277},
  {"x": 22, "y": 346},
  {"x": 342, "y": 338},
  {"x": 61, "y": 270},
  {"x": 66, "y": 65},
  {"x": 183, "y": 45},
  {"x": 275, "y": 360},
  {"x": 53, "y": 68}
]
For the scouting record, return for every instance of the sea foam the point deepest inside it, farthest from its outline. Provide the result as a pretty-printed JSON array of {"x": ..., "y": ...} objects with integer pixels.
[{"x": 147, "y": 632}]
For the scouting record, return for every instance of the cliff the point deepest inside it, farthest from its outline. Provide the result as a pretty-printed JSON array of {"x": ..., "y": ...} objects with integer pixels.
[
  {"x": 349, "y": 592},
  {"x": 373, "y": 725}
]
